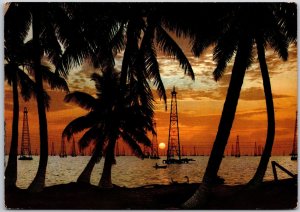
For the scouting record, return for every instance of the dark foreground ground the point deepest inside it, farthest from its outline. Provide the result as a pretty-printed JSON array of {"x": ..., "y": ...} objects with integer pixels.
[{"x": 271, "y": 195}]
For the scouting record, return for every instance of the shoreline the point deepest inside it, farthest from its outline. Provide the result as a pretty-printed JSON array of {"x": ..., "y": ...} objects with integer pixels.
[{"x": 281, "y": 194}]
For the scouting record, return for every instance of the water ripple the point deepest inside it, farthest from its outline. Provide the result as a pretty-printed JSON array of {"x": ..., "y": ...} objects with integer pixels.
[{"x": 133, "y": 172}]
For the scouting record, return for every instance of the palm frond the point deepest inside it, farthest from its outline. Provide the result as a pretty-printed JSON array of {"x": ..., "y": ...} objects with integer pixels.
[
  {"x": 73, "y": 56},
  {"x": 17, "y": 20},
  {"x": 170, "y": 47},
  {"x": 286, "y": 15},
  {"x": 136, "y": 149},
  {"x": 117, "y": 43},
  {"x": 78, "y": 125},
  {"x": 10, "y": 71},
  {"x": 224, "y": 51},
  {"x": 27, "y": 86},
  {"x": 50, "y": 44},
  {"x": 151, "y": 64},
  {"x": 53, "y": 79},
  {"x": 279, "y": 43},
  {"x": 94, "y": 133},
  {"x": 82, "y": 99}
]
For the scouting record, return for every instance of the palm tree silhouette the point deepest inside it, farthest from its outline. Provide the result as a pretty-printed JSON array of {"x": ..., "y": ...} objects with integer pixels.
[
  {"x": 15, "y": 77},
  {"x": 46, "y": 21},
  {"x": 108, "y": 121},
  {"x": 242, "y": 32},
  {"x": 124, "y": 32},
  {"x": 269, "y": 32}
]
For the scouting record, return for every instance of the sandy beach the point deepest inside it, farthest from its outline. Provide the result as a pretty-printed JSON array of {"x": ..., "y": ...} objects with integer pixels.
[{"x": 271, "y": 195}]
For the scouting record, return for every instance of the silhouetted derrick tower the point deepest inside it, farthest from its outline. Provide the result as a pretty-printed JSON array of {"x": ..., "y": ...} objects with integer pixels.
[
  {"x": 237, "y": 147},
  {"x": 294, "y": 154},
  {"x": 255, "y": 149},
  {"x": 154, "y": 144},
  {"x": 25, "y": 144},
  {"x": 146, "y": 151},
  {"x": 52, "y": 150},
  {"x": 232, "y": 151},
  {"x": 63, "y": 151},
  {"x": 73, "y": 151},
  {"x": 259, "y": 150},
  {"x": 173, "y": 140}
]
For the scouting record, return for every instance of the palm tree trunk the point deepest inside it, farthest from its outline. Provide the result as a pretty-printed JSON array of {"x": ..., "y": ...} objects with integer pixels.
[
  {"x": 238, "y": 72},
  {"x": 39, "y": 181},
  {"x": 105, "y": 181},
  {"x": 11, "y": 169},
  {"x": 264, "y": 160},
  {"x": 85, "y": 176}
]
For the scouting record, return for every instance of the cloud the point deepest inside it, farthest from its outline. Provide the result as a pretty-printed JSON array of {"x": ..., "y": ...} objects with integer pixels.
[{"x": 255, "y": 93}]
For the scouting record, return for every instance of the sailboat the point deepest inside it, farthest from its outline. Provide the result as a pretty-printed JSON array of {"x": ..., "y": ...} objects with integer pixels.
[{"x": 294, "y": 154}]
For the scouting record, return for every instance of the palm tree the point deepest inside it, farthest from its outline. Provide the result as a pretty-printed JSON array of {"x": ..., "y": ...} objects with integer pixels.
[
  {"x": 51, "y": 28},
  {"x": 14, "y": 76},
  {"x": 124, "y": 31},
  {"x": 105, "y": 123},
  {"x": 270, "y": 32},
  {"x": 239, "y": 38}
]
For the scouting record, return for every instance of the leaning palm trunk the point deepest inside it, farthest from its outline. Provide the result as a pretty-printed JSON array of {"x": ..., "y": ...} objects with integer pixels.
[
  {"x": 11, "y": 169},
  {"x": 238, "y": 72},
  {"x": 105, "y": 181},
  {"x": 85, "y": 176},
  {"x": 39, "y": 181},
  {"x": 264, "y": 160}
]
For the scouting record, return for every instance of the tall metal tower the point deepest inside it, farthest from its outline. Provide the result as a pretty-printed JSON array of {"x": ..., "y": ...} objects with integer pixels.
[
  {"x": 195, "y": 153},
  {"x": 232, "y": 151},
  {"x": 52, "y": 150},
  {"x": 173, "y": 140},
  {"x": 73, "y": 151},
  {"x": 154, "y": 144},
  {"x": 255, "y": 150},
  {"x": 63, "y": 151},
  {"x": 259, "y": 150},
  {"x": 237, "y": 147},
  {"x": 25, "y": 143}
]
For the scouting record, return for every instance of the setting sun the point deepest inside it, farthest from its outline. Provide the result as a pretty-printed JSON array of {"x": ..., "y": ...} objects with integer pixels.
[{"x": 162, "y": 145}]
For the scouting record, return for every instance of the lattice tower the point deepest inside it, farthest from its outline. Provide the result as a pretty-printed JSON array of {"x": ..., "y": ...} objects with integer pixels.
[{"x": 173, "y": 140}]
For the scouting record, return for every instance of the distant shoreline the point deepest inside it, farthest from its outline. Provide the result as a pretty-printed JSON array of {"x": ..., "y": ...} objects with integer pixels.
[{"x": 270, "y": 195}]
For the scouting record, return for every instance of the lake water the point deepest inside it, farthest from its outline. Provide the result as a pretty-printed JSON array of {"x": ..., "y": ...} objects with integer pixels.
[{"x": 133, "y": 172}]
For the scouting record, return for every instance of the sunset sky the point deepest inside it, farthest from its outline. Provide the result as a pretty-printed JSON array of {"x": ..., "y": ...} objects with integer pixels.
[{"x": 200, "y": 103}]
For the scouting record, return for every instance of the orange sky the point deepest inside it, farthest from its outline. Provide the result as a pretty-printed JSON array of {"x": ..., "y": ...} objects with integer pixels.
[{"x": 200, "y": 104}]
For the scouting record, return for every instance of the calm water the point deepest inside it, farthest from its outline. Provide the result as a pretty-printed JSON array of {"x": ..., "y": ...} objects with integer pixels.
[{"x": 133, "y": 172}]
